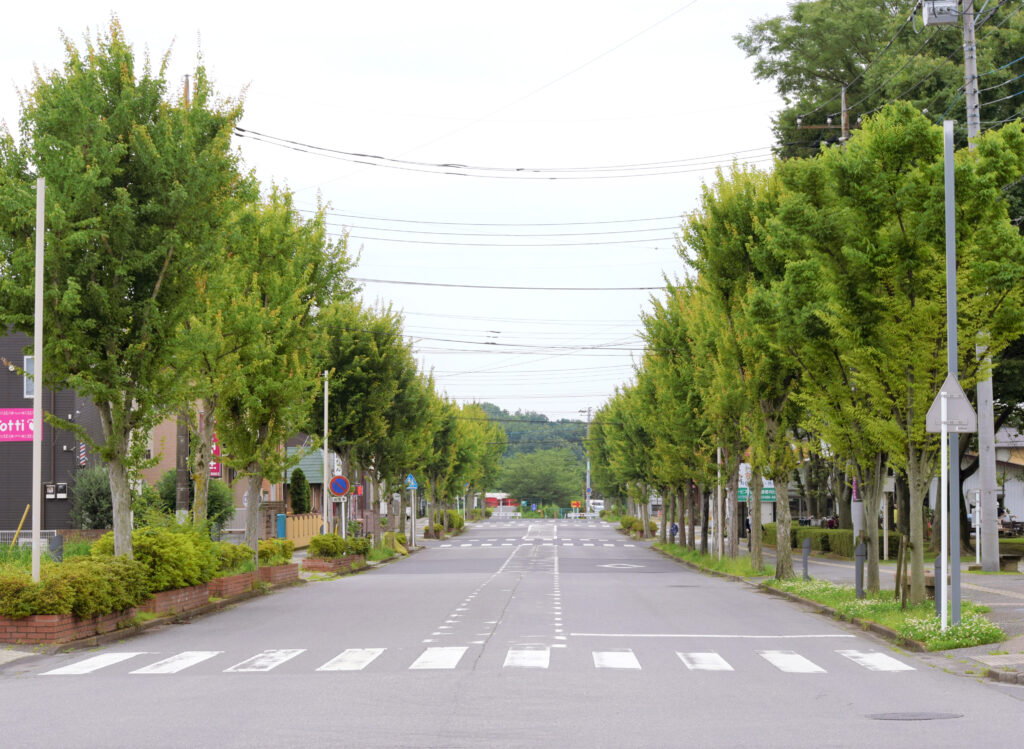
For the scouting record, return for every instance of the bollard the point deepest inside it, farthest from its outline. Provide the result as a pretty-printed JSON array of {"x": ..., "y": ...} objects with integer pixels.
[
  {"x": 56, "y": 548},
  {"x": 861, "y": 555},
  {"x": 940, "y": 579},
  {"x": 807, "y": 556}
]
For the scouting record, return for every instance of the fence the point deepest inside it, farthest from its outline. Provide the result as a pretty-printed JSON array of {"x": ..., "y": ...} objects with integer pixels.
[
  {"x": 301, "y": 528},
  {"x": 25, "y": 537}
]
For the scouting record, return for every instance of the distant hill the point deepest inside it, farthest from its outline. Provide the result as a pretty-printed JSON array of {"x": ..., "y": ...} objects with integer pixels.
[{"x": 529, "y": 432}]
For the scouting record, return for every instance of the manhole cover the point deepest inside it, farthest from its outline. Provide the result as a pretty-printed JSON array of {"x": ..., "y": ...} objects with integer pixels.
[{"x": 915, "y": 716}]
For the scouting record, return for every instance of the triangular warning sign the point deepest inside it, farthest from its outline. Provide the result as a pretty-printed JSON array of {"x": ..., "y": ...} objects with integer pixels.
[{"x": 960, "y": 416}]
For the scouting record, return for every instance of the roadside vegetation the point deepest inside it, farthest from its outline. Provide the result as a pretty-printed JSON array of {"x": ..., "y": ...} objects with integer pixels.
[
  {"x": 916, "y": 622},
  {"x": 739, "y": 566}
]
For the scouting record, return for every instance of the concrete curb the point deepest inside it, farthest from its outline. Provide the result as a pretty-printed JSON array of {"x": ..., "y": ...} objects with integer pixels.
[
  {"x": 820, "y": 608},
  {"x": 1006, "y": 677}
]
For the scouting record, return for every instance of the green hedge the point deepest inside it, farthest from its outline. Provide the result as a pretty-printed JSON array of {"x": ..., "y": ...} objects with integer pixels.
[
  {"x": 84, "y": 586},
  {"x": 175, "y": 556},
  {"x": 838, "y": 541},
  {"x": 274, "y": 551},
  {"x": 333, "y": 546},
  {"x": 231, "y": 557}
]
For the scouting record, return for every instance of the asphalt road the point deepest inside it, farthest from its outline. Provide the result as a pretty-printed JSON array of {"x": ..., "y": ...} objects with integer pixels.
[{"x": 518, "y": 633}]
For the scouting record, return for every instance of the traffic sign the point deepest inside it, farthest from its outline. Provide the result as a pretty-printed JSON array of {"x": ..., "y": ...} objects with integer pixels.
[
  {"x": 339, "y": 486},
  {"x": 576, "y": 504},
  {"x": 410, "y": 482},
  {"x": 960, "y": 417}
]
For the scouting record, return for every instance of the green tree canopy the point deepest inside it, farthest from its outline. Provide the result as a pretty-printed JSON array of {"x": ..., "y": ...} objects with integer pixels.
[{"x": 544, "y": 476}]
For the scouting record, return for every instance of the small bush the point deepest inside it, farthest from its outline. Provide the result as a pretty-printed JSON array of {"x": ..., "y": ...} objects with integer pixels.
[
  {"x": 333, "y": 546},
  {"x": 176, "y": 556},
  {"x": 298, "y": 492},
  {"x": 83, "y": 586},
  {"x": 488, "y": 512},
  {"x": 275, "y": 551},
  {"x": 626, "y": 522},
  {"x": 231, "y": 557}
]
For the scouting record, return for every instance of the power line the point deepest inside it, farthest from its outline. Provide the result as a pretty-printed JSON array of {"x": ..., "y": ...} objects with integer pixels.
[
  {"x": 512, "y": 244},
  {"x": 506, "y": 235},
  {"x": 510, "y": 288},
  {"x": 467, "y": 223},
  {"x": 512, "y": 173}
]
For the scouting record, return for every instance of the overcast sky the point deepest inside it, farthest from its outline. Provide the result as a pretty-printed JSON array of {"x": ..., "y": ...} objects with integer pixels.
[{"x": 562, "y": 85}]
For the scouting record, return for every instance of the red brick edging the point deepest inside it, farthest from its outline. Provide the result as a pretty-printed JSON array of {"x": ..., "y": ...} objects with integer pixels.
[
  {"x": 56, "y": 628},
  {"x": 340, "y": 565}
]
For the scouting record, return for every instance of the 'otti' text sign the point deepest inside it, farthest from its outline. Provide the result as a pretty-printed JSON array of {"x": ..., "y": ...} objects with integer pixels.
[{"x": 16, "y": 425}]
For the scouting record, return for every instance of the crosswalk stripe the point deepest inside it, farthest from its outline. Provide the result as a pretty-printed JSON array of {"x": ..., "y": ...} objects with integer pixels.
[
  {"x": 438, "y": 658},
  {"x": 875, "y": 661},
  {"x": 615, "y": 659},
  {"x": 790, "y": 662},
  {"x": 178, "y": 662},
  {"x": 704, "y": 662},
  {"x": 265, "y": 661},
  {"x": 91, "y": 664},
  {"x": 353, "y": 659},
  {"x": 528, "y": 657}
]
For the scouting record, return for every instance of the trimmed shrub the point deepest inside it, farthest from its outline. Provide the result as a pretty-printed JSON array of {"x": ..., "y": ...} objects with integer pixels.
[
  {"x": 298, "y": 492},
  {"x": 91, "y": 505},
  {"x": 176, "y": 556},
  {"x": 275, "y": 551},
  {"x": 230, "y": 556},
  {"x": 841, "y": 541},
  {"x": 626, "y": 522},
  {"x": 83, "y": 586},
  {"x": 333, "y": 546}
]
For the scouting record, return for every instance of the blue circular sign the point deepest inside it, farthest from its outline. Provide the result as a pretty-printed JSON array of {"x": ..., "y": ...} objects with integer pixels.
[{"x": 339, "y": 486}]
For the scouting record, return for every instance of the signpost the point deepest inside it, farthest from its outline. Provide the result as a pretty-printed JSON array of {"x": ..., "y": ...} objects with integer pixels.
[{"x": 412, "y": 486}]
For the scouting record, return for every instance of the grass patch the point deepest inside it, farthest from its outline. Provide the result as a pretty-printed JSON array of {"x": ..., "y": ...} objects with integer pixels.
[
  {"x": 917, "y": 622},
  {"x": 740, "y": 566},
  {"x": 380, "y": 553}
]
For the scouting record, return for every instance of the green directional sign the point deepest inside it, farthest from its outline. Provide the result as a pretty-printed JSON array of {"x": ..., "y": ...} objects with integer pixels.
[{"x": 767, "y": 494}]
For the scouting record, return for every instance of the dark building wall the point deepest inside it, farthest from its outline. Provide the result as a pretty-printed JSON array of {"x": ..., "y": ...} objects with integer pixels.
[{"x": 59, "y": 447}]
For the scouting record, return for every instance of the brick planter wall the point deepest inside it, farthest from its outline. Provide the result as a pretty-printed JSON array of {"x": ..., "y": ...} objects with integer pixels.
[
  {"x": 178, "y": 600},
  {"x": 281, "y": 573},
  {"x": 231, "y": 585},
  {"x": 51, "y": 628},
  {"x": 340, "y": 565}
]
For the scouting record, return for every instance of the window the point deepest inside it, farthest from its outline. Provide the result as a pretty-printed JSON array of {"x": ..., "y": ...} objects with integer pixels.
[{"x": 30, "y": 369}]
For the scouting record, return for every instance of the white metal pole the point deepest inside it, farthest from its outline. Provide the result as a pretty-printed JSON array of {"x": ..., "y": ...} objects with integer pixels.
[
  {"x": 325, "y": 510},
  {"x": 977, "y": 527},
  {"x": 944, "y": 525},
  {"x": 37, "y": 384},
  {"x": 412, "y": 514},
  {"x": 719, "y": 513},
  {"x": 885, "y": 527}
]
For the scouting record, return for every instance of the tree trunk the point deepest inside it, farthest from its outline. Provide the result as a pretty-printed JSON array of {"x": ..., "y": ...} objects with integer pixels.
[
  {"x": 783, "y": 550},
  {"x": 902, "y": 492},
  {"x": 668, "y": 511},
  {"x": 872, "y": 481},
  {"x": 693, "y": 519},
  {"x": 201, "y": 459},
  {"x": 704, "y": 502},
  {"x": 120, "y": 489},
  {"x": 754, "y": 510},
  {"x": 253, "y": 498},
  {"x": 841, "y": 487}
]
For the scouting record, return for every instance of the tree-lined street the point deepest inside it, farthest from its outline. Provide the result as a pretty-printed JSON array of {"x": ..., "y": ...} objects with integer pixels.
[{"x": 518, "y": 633}]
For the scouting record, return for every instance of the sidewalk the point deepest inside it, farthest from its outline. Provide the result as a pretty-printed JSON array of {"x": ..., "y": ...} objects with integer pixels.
[{"x": 1003, "y": 594}]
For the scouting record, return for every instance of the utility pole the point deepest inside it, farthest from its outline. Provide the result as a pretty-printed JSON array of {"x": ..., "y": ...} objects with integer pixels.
[
  {"x": 988, "y": 533},
  {"x": 37, "y": 383}
]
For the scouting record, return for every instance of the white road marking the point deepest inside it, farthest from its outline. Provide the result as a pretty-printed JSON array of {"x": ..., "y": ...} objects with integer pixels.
[
  {"x": 704, "y": 662},
  {"x": 92, "y": 664},
  {"x": 487, "y": 544},
  {"x": 712, "y": 636},
  {"x": 438, "y": 658},
  {"x": 353, "y": 659},
  {"x": 265, "y": 661},
  {"x": 875, "y": 661},
  {"x": 527, "y": 657},
  {"x": 178, "y": 662},
  {"x": 588, "y": 544},
  {"x": 615, "y": 659},
  {"x": 790, "y": 662}
]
